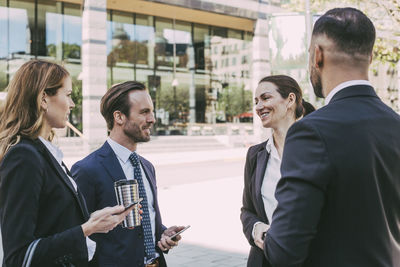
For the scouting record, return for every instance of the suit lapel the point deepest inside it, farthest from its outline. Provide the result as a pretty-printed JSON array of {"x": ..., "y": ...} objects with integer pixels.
[
  {"x": 63, "y": 176},
  {"x": 262, "y": 159},
  {"x": 149, "y": 176},
  {"x": 110, "y": 162},
  {"x": 82, "y": 201}
]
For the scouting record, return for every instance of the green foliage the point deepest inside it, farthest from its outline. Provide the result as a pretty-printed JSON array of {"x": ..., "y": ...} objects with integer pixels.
[
  {"x": 76, "y": 113},
  {"x": 385, "y": 14},
  {"x": 234, "y": 100},
  {"x": 386, "y": 51},
  {"x": 165, "y": 100},
  {"x": 69, "y": 50},
  {"x": 129, "y": 52}
]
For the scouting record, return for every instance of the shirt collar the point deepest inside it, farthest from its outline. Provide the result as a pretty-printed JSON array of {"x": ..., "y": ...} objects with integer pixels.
[
  {"x": 269, "y": 145},
  {"x": 271, "y": 149},
  {"x": 55, "y": 151},
  {"x": 344, "y": 85},
  {"x": 122, "y": 152}
]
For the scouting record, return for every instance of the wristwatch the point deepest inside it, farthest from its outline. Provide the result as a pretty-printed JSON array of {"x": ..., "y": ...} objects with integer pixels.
[{"x": 264, "y": 235}]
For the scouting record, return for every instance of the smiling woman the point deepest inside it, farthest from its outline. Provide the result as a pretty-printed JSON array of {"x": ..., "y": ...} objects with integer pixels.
[
  {"x": 279, "y": 104},
  {"x": 43, "y": 215}
]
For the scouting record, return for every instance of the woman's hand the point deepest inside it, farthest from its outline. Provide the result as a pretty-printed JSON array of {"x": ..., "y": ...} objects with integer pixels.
[
  {"x": 259, "y": 231},
  {"x": 104, "y": 220}
]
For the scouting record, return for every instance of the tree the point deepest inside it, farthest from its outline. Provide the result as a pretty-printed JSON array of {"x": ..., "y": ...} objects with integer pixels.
[
  {"x": 76, "y": 113},
  {"x": 234, "y": 100},
  {"x": 69, "y": 50},
  {"x": 384, "y": 13}
]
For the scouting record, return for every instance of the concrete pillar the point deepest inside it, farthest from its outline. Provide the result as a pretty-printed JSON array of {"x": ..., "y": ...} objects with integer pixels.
[
  {"x": 192, "y": 86},
  {"x": 151, "y": 45},
  {"x": 261, "y": 67},
  {"x": 94, "y": 70}
]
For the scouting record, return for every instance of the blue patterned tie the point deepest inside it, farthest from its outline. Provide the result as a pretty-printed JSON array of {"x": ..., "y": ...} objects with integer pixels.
[{"x": 148, "y": 235}]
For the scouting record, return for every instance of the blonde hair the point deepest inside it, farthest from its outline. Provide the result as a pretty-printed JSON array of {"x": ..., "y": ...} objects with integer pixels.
[{"x": 21, "y": 114}]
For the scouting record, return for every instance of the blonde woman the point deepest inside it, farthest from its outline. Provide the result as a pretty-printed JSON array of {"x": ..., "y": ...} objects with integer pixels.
[{"x": 43, "y": 216}]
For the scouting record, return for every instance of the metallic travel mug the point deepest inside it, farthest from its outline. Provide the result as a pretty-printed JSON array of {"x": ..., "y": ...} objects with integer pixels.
[{"x": 127, "y": 191}]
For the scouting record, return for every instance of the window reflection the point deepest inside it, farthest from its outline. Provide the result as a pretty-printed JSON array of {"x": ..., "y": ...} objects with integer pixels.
[
  {"x": 54, "y": 35},
  {"x": 180, "y": 62},
  {"x": 48, "y": 34},
  {"x": 144, "y": 41},
  {"x": 121, "y": 58},
  {"x": 163, "y": 47},
  {"x": 4, "y": 21},
  {"x": 16, "y": 49},
  {"x": 72, "y": 33},
  {"x": 230, "y": 94}
]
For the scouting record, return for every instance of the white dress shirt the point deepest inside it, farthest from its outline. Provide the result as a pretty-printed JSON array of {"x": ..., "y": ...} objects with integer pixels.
[
  {"x": 123, "y": 157},
  {"x": 271, "y": 178},
  {"x": 58, "y": 155},
  {"x": 344, "y": 85}
]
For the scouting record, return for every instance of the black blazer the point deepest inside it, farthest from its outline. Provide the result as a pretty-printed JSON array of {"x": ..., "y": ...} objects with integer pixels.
[
  {"x": 95, "y": 176},
  {"x": 339, "y": 195},
  {"x": 37, "y": 200},
  {"x": 253, "y": 206}
]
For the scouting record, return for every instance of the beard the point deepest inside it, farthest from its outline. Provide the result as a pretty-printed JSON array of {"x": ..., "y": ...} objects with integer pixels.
[
  {"x": 316, "y": 82},
  {"x": 135, "y": 133}
]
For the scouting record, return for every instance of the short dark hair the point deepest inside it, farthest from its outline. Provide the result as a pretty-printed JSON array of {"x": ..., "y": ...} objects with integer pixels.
[
  {"x": 287, "y": 85},
  {"x": 350, "y": 29},
  {"x": 116, "y": 98}
]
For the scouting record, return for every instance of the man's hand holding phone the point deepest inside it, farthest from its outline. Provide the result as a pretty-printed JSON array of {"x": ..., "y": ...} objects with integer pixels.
[{"x": 171, "y": 237}]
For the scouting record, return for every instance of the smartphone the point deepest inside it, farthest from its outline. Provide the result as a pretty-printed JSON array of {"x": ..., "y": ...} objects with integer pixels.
[
  {"x": 173, "y": 237},
  {"x": 131, "y": 204}
]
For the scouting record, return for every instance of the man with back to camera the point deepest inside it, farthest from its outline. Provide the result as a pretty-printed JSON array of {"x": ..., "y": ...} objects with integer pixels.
[
  {"x": 128, "y": 111},
  {"x": 339, "y": 195}
]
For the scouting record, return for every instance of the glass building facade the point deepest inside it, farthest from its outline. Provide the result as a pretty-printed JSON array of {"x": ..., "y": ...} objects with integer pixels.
[
  {"x": 195, "y": 73},
  {"x": 45, "y": 30}
]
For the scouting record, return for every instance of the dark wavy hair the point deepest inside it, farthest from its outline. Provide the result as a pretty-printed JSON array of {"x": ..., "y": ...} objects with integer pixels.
[{"x": 287, "y": 85}]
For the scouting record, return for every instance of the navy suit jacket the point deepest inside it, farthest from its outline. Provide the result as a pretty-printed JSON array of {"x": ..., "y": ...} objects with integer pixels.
[
  {"x": 253, "y": 206},
  {"x": 339, "y": 195},
  {"x": 95, "y": 176},
  {"x": 37, "y": 200}
]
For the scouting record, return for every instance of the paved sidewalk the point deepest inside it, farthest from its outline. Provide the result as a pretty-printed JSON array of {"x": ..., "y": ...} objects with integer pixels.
[
  {"x": 190, "y": 255},
  {"x": 211, "y": 206}
]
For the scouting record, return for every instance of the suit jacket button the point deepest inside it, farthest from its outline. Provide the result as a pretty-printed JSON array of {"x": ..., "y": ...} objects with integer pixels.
[
  {"x": 140, "y": 263},
  {"x": 140, "y": 235}
]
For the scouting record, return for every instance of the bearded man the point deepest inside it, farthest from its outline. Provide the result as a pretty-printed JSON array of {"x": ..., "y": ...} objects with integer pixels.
[
  {"x": 128, "y": 110},
  {"x": 339, "y": 195}
]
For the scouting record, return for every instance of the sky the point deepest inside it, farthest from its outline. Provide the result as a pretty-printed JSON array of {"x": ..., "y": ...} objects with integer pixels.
[{"x": 292, "y": 30}]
